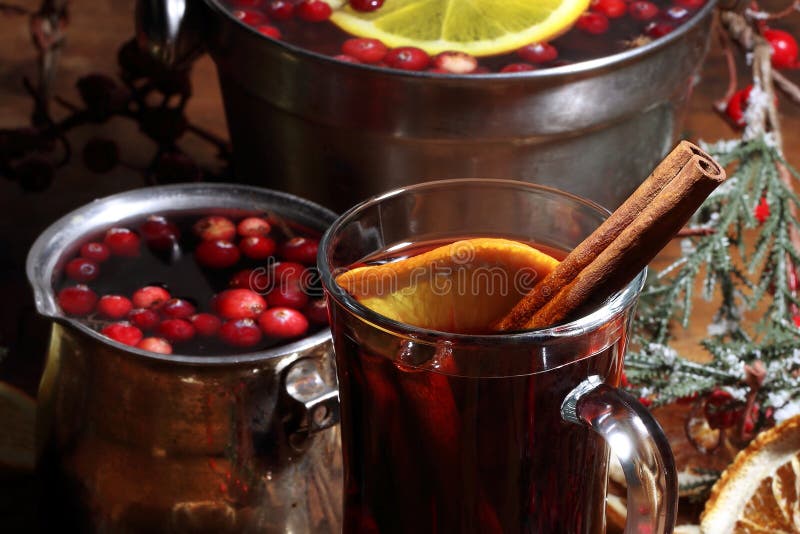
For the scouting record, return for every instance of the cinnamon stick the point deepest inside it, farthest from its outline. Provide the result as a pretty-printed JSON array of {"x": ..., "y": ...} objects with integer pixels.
[{"x": 624, "y": 244}]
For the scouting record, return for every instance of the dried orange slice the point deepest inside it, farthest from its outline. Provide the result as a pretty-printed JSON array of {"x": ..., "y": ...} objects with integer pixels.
[
  {"x": 18, "y": 418},
  {"x": 760, "y": 491},
  {"x": 462, "y": 287}
]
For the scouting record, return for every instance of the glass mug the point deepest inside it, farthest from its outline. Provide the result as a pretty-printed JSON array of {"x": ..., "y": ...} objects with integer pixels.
[{"x": 453, "y": 433}]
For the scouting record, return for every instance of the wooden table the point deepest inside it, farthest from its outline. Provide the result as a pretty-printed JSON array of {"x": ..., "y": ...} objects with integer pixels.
[{"x": 96, "y": 29}]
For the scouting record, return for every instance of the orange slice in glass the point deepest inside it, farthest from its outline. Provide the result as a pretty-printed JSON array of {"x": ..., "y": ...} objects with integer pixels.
[
  {"x": 463, "y": 287},
  {"x": 760, "y": 491}
]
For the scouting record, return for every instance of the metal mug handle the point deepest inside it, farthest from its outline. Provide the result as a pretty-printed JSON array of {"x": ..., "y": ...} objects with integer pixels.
[
  {"x": 169, "y": 30},
  {"x": 639, "y": 443},
  {"x": 315, "y": 401}
]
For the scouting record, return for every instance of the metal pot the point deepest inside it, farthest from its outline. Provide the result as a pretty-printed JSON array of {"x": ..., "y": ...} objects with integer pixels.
[
  {"x": 338, "y": 133},
  {"x": 133, "y": 441}
]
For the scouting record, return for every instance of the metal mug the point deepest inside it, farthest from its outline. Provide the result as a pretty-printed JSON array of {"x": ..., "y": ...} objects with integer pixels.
[
  {"x": 338, "y": 133},
  {"x": 133, "y": 441}
]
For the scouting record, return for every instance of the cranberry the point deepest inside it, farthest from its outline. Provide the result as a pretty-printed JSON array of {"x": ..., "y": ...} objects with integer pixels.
[
  {"x": 122, "y": 242},
  {"x": 82, "y": 270},
  {"x": 159, "y": 233},
  {"x": 214, "y": 228},
  {"x": 240, "y": 304},
  {"x": 176, "y": 330},
  {"x": 150, "y": 297},
  {"x": 784, "y": 48},
  {"x": 736, "y": 106},
  {"x": 642, "y": 10},
  {"x": 241, "y": 280},
  {"x": 455, "y": 62},
  {"x": 344, "y": 58},
  {"x": 96, "y": 252},
  {"x": 280, "y": 9},
  {"x": 594, "y": 23},
  {"x": 144, "y": 318},
  {"x": 407, "y": 58},
  {"x": 612, "y": 9},
  {"x": 217, "y": 254},
  {"x": 178, "y": 309},
  {"x": 691, "y": 4},
  {"x": 287, "y": 296},
  {"x": 761, "y": 211},
  {"x": 257, "y": 247},
  {"x": 124, "y": 333},
  {"x": 366, "y": 5},
  {"x": 155, "y": 344},
  {"x": 114, "y": 306},
  {"x": 77, "y": 300},
  {"x": 518, "y": 67},
  {"x": 240, "y": 333},
  {"x": 538, "y": 53},
  {"x": 249, "y": 16},
  {"x": 658, "y": 29},
  {"x": 646, "y": 401},
  {"x": 796, "y": 320},
  {"x": 288, "y": 271},
  {"x": 317, "y": 311},
  {"x": 269, "y": 31},
  {"x": 253, "y": 226},
  {"x": 283, "y": 323},
  {"x": 205, "y": 324},
  {"x": 313, "y": 10},
  {"x": 365, "y": 50},
  {"x": 677, "y": 13},
  {"x": 301, "y": 250}
]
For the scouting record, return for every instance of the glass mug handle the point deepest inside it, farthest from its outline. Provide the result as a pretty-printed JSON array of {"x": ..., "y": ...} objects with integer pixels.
[{"x": 637, "y": 440}]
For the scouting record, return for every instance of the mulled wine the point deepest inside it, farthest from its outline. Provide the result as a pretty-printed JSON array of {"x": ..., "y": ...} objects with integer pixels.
[
  {"x": 607, "y": 27},
  {"x": 198, "y": 284}
]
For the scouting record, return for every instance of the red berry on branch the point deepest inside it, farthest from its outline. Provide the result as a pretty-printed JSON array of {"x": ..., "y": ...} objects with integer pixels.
[
  {"x": 82, "y": 270},
  {"x": 77, "y": 300},
  {"x": 784, "y": 48},
  {"x": 124, "y": 333},
  {"x": 796, "y": 320},
  {"x": 365, "y": 50},
  {"x": 114, "y": 306},
  {"x": 646, "y": 401},
  {"x": 737, "y": 105},
  {"x": 761, "y": 211}
]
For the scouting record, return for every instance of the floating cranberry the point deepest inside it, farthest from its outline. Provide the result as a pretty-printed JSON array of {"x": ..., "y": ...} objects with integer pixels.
[
  {"x": 253, "y": 226},
  {"x": 114, "y": 306},
  {"x": 658, "y": 29},
  {"x": 150, "y": 297},
  {"x": 301, "y": 250},
  {"x": 407, "y": 58},
  {"x": 280, "y": 9},
  {"x": 77, "y": 300},
  {"x": 283, "y": 323},
  {"x": 176, "y": 330},
  {"x": 677, "y": 13},
  {"x": 217, "y": 254},
  {"x": 594, "y": 23},
  {"x": 286, "y": 272},
  {"x": 643, "y": 10},
  {"x": 518, "y": 67},
  {"x": 255, "y": 279},
  {"x": 82, "y": 270},
  {"x": 317, "y": 311},
  {"x": 690, "y": 4},
  {"x": 155, "y": 344},
  {"x": 784, "y": 48},
  {"x": 288, "y": 296},
  {"x": 612, "y": 9},
  {"x": 144, "y": 318},
  {"x": 124, "y": 333},
  {"x": 257, "y": 247},
  {"x": 122, "y": 242},
  {"x": 205, "y": 324},
  {"x": 344, "y": 58},
  {"x": 240, "y": 333},
  {"x": 215, "y": 228},
  {"x": 455, "y": 62},
  {"x": 736, "y": 106},
  {"x": 96, "y": 252},
  {"x": 240, "y": 304},
  {"x": 159, "y": 233},
  {"x": 249, "y": 16},
  {"x": 270, "y": 31},
  {"x": 365, "y": 50},
  {"x": 313, "y": 10},
  {"x": 538, "y": 53},
  {"x": 366, "y": 5},
  {"x": 178, "y": 309}
]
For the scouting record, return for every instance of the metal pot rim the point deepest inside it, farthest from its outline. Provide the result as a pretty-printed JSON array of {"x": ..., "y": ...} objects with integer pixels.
[
  {"x": 42, "y": 258},
  {"x": 565, "y": 71}
]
